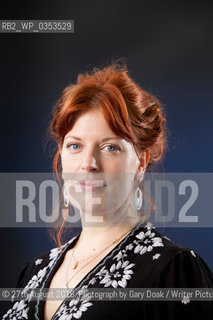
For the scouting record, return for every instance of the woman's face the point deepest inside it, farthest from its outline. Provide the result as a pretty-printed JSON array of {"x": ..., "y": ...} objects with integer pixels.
[{"x": 93, "y": 153}]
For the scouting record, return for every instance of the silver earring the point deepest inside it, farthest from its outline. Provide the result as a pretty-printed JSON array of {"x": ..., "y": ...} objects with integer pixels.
[
  {"x": 140, "y": 176},
  {"x": 138, "y": 200},
  {"x": 66, "y": 200}
]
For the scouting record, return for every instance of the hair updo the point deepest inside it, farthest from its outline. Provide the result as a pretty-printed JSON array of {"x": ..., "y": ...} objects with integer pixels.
[{"x": 131, "y": 112}]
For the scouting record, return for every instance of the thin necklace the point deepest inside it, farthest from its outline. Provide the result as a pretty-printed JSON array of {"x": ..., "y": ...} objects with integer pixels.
[
  {"x": 96, "y": 254},
  {"x": 74, "y": 266}
]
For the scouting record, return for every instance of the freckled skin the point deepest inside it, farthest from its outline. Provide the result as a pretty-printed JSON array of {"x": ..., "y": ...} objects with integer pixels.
[{"x": 92, "y": 157}]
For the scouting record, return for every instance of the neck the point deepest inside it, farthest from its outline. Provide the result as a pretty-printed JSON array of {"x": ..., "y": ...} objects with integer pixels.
[
  {"x": 103, "y": 232},
  {"x": 99, "y": 236}
]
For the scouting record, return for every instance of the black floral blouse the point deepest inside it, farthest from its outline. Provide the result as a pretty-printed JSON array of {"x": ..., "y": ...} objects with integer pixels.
[{"x": 143, "y": 259}]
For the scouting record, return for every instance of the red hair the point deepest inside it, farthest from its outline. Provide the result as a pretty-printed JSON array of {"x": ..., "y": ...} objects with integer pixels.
[{"x": 131, "y": 112}]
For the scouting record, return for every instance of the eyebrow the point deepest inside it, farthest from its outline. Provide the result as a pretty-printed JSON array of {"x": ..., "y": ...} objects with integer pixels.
[{"x": 105, "y": 139}]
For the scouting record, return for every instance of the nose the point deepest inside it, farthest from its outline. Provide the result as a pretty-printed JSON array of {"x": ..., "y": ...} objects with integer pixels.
[{"x": 89, "y": 164}]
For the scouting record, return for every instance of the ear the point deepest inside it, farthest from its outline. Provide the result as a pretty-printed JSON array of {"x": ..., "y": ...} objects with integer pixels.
[
  {"x": 142, "y": 167},
  {"x": 144, "y": 160}
]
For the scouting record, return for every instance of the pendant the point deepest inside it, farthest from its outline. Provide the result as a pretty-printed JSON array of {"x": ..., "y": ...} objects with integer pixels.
[{"x": 75, "y": 265}]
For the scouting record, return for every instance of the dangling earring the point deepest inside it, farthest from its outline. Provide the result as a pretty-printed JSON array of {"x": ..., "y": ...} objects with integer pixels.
[
  {"x": 66, "y": 200},
  {"x": 140, "y": 176},
  {"x": 138, "y": 200}
]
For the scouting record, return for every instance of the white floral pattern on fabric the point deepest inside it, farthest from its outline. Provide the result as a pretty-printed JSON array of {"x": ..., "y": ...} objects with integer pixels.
[
  {"x": 185, "y": 299},
  {"x": 76, "y": 306},
  {"x": 144, "y": 242},
  {"x": 156, "y": 256},
  {"x": 148, "y": 242},
  {"x": 120, "y": 271},
  {"x": 106, "y": 277},
  {"x": 38, "y": 261},
  {"x": 20, "y": 309},
  {"x": 118, "y": 275}
]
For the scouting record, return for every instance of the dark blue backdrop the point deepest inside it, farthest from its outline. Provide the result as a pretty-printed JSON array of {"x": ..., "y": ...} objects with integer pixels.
[{"x": 169, "y": 52}]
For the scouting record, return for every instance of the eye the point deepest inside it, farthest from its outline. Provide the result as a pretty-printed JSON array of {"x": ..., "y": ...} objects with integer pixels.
[
  {"x": 115, "y": 148},
  {"x": 76, "y": 146},
  {"x": 73, "y": 144}
]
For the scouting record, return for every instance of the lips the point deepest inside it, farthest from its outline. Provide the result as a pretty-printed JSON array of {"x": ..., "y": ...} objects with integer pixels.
[{"x": 92, "y": 183}]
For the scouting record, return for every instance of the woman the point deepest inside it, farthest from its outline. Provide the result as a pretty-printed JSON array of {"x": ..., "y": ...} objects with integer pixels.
[{"x": 109, "y": 131}]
